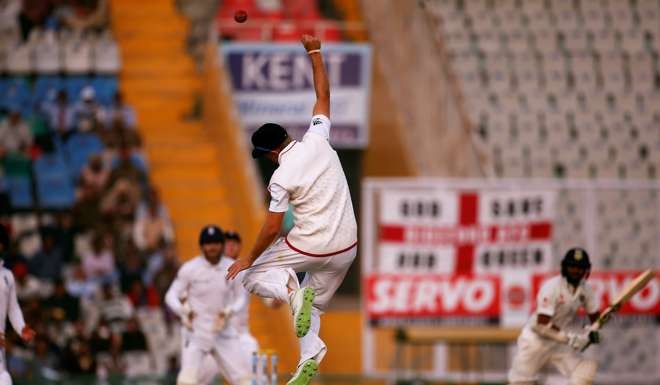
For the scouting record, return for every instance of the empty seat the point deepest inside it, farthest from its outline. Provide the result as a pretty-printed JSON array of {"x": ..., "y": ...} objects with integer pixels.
[
  {"x": 106, "y": 54},
  {"x": 77, "y": 54},
  {"x": 20, "y": 192},
  {"x": 16, "y": 92},
  {"x": 105, "y": 88},
  {"x": 47, "y": 54},
  {"x": 55, "y": 188}
]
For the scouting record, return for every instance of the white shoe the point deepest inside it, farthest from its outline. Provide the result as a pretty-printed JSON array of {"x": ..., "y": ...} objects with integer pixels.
[{"x": 301, "y": 305}]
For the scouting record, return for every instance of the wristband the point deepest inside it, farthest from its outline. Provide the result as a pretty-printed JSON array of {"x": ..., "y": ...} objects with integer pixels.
[{"x": 314, "y": 51}]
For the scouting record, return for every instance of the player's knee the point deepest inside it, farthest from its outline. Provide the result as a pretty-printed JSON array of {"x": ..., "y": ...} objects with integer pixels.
[
  {"x": 187, "y": 376},
  {"x": 584, "y": 373}
]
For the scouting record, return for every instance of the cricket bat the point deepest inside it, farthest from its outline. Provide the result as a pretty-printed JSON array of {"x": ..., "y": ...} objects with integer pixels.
[{"x": 626, "y": 293}]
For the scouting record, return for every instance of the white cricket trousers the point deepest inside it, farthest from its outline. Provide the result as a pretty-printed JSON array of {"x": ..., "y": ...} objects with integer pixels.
[
  {"x": 234, "y": 368},
  {"x": 209, "y": 369},
  {"x": 274, "y": 273},
  {"x": 5, "y": 379},
  {"x": 534, "y": 353}
]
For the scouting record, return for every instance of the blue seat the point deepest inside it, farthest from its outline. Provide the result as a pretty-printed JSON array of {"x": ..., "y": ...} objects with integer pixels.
[
  {"x": 79, "y": 148},
  {"x": 46, "y": 86},
  {"x": 55, "y": 188},
  {"x": 20, "y": 192},
  {"x": 16, "y": 92},
  {"x": 75, "y": 84},
  {"x": 105, "y": 88}
]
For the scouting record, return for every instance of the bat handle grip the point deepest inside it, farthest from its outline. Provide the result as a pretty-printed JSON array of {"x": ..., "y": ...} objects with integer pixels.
[{"x": 585, "y": 347}]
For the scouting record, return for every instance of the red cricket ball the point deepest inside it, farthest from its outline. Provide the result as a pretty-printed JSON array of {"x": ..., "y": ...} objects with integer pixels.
[{"x": 240, "y": 16}]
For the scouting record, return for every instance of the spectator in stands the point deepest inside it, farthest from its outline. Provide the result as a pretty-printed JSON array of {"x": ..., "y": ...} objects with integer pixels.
[
  {"x": 60, "y": 115},
  {"x": 142, "y": 296},
  {"x": 9, "y": 10},
  {"x": 79, "y": 286},
  {"x": 67, "y": 231},
  {"x": 27, "y": 286},
  {"x": 120, "y": 201},
  {"x": 120, "y": 112},
  {"x": 62, "y": 305},
  {"x": 126, "y": 169},
  {"x": 89, "y": 115},
  {"x": 94, "y": 178},
  {"x": 152, "y": 223},
  {"x": 131, "y": 267},
  {"x": 85, "y": 14},
  {"x": 35, "y": 13},
  {"x": 163, "y": 278},
  {"x": 47, "y": 264},
  {"x": 15, "y": 135},
  {"x": 133, "y": 339},
  {"x": 114, "y": 307},
  {"x": 45, "y": 360},
  {"x": 78, "y": 357},
  {"x": 99, "y": 263}
]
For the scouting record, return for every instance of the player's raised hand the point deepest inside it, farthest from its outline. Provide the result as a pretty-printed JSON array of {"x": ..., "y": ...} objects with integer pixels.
[
  {"x": 310, "y": 42},
  {"x": 27, "y": 334},
  {"x": 239, "y": 265}
]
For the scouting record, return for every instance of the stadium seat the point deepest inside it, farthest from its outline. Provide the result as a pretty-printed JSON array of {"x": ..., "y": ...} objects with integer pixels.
[
  {"x": 16, "y": 93},
  {"x": 20, "y": 192},
  {"x": 105, "y": 87},
  {"x": 75, "y": 84},
  {"x": 19, "y": 59},
  {"x": 47, "y": 54},
  {"x": 286, "y": 32},
  {"x": 79, "y": 148},
  {"x": 55, "y": 188},
  {"x": 45, "y": 86},
  {"x": 77, "y": 53},
  {"x": 106, "y": 54}
]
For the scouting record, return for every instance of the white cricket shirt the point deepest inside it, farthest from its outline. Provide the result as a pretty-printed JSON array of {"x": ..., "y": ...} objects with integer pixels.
[
  {"x": 9, "y": 303},
  {"x": 208, "y": 294},
  {"x": 555, "y": 299},
  {"x": 311, "y": 178}
]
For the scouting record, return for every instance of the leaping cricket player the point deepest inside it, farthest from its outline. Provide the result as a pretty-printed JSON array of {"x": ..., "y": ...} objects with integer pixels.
[{"x": 323, "y": 241}]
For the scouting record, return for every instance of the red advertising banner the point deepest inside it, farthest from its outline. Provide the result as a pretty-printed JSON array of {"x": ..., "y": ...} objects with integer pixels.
[
  {"x": 608, "y": 284},
  {"x": 425, "y": 296},
  {"x": 432, "y": 295}
]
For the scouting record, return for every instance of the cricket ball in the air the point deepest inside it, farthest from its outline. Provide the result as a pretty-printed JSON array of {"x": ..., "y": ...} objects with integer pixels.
[{"x": 240, "y": 16}]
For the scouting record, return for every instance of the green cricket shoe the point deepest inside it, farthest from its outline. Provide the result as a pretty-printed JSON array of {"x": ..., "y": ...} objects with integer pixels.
[
  {"x": 305, "y": 372},
  {"x": 301, "y": 305}
]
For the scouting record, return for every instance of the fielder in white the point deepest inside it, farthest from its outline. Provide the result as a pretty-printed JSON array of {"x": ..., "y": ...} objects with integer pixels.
[
  {"x": 239, "y": 320},
  {"x": 9, "y": 308},
  {"x": 210, "y": 304},
  {"x": 323, "y": 241},
  {"x": 545, "y": 340}
]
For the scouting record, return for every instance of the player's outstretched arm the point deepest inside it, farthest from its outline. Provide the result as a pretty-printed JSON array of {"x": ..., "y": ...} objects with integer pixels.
[{"x": 321, "y": 86}]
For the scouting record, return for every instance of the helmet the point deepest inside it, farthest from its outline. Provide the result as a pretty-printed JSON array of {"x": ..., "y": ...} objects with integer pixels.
[
  {"x": 211, "y": 234},
  {"x": 575, "y": 257}
]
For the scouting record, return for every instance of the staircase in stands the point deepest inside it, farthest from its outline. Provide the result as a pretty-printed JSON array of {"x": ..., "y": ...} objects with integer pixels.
[{"x": 160, "y": 80}]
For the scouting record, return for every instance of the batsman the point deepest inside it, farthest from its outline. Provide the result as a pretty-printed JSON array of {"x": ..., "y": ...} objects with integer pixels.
[{"x": 545, "y": 338}]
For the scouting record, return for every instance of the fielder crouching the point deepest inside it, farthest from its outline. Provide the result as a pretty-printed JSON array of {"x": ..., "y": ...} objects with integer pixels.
[{"x": 544, "y": 339}]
